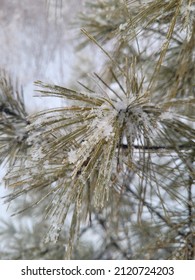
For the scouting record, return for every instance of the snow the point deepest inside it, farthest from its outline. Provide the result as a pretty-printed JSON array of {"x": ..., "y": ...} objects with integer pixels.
[
  {"x": 121, "y": 105},
  {"x": 168, "y": 115},
  {"x": 123, "y": 26},
  {"x": 107, "y": 131},
  {"x": 72, "y": 156}
]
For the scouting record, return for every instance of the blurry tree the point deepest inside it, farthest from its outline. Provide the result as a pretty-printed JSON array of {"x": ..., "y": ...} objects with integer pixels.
[{"x": 115, "y": 163}]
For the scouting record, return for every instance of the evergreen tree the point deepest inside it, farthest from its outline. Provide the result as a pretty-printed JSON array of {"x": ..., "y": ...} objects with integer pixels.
[{"x": 116, "y": 160}]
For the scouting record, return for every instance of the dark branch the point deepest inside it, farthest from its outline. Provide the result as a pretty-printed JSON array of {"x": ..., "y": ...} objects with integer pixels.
[
  {"x": 113, "y": 241},
  {"x": 160, "y": 147},
  {"x": 153, "y": 210},
  {"x": 190, "y": 238}
]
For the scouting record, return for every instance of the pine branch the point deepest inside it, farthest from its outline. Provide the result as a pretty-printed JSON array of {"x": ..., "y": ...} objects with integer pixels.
[
  {"x": 154, "y": 211},
  {"x": 190, "y": 234},
  {"x": 160, "y": 147},
  {"x": 13, "y": 120},
  {"x": 113, "y": 241}
]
